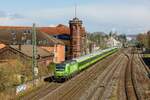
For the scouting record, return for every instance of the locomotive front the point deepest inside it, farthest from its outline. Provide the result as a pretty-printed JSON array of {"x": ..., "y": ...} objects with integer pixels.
[{"x": 59, "y": 73}]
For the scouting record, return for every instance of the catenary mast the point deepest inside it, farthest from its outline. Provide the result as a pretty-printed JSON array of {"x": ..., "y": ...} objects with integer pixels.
[{"x": 34, "y": 54}]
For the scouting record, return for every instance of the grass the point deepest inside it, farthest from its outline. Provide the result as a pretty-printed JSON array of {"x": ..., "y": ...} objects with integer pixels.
[{"x": 11, "y": 72}]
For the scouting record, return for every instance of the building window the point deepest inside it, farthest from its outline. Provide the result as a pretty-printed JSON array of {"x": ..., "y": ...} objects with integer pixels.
[
  {"x": 13, "y": 33},
  {"x": 67, "y": 48},
  {"x": 14, "y": 37},
  {"x": 74, "y": 42},
  {"x": 25, "y": 32},
  {"x": 28, "y": 42},
  {"x": 63, "y": 37},
  {"x": 75, "y": 55},
  {"x": 29, "y": 31}
]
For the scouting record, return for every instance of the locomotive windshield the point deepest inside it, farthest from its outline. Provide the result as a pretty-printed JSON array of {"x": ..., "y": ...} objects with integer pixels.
[{"x": 60, "y": 67}]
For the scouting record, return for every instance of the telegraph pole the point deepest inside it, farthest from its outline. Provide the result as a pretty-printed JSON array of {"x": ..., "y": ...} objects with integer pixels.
[{"x": 34, "y": 54}]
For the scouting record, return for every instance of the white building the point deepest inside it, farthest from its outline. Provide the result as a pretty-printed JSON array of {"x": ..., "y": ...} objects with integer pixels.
[{"x": 112, "y": 42}]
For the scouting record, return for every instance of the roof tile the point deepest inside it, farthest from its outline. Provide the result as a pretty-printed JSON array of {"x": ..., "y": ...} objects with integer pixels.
[{"x": 60, "y": 29}]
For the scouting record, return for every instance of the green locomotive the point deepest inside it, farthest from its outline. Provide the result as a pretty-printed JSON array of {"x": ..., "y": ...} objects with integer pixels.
[{"x": 70, "y": 68}]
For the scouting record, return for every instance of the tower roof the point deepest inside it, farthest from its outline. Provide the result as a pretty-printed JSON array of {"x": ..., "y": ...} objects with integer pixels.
[{"x": 76, "y": 19}]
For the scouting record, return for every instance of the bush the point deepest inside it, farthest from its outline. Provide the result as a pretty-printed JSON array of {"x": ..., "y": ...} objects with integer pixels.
[{"x": 9, "y": 74}]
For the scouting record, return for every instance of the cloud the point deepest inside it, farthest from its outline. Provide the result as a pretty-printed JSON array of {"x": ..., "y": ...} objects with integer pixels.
[
  {"x": 115, "y": 13},
  {"x": 135, "y": 18},
  {"x": 2, "y": 14},
  {"x": 9, "y": 18},
  {"x": 10, "y": 15},
  {"x": 98, "y": 13},
  {"x": 130, "y": 17},
  {"x": 13, "y": 22},
  {"x": 15, "y": 16},
  {"x": 52, "y": 13}
]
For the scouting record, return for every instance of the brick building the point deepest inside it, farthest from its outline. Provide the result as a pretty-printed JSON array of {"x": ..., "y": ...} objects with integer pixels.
[
  {"x": 62, "y": 33},
  {"x": 78, "y": 38},
  {"x": 24, "y": 37},
  {"x": 73, "y": 37},
  {"x": 66, "y": 42},
  {"x": 24, "y": 53}
]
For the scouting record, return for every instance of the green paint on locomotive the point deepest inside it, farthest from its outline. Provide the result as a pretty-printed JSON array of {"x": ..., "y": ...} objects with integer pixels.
[{"x": 68, "y": 69}]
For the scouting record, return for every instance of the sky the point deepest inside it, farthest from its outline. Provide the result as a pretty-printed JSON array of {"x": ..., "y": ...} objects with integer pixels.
[{"x": 123, "y": 16}]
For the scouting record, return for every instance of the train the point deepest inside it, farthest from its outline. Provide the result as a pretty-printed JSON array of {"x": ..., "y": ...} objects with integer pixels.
[{"x": 68, "y": 69}]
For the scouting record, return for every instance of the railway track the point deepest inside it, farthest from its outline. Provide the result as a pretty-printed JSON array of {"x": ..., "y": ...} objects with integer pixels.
[
  {"x": 125, "y": 83},
  {"x": 130, "y": 88},
  {"x": 105, "y": 86},
  {"x": 42, "y": 92},
  {"x": 120, "y": 91},
  {"x": 51, "y": 87},
  {"x": 122, "y": 76},
  {"x": 99, "y": 85},
  {"x": 142, "y": 79},
  {"x": 136, "y": 79},
  {"x": 111, "y": 92},
  {"x": 76, "y": 86}
]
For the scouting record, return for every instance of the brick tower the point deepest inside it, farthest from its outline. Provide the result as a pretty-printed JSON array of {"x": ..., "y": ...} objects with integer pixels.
[{"x": 77, "y": 37}]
